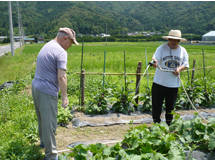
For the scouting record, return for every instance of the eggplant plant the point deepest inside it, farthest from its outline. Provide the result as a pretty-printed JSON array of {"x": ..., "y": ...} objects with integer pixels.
[
  {"x": 99, "y": 104},
  {"x": 145, "y": 98},
  {"x": 197, "y": 95},
  {"x": 124, "y": 103}
]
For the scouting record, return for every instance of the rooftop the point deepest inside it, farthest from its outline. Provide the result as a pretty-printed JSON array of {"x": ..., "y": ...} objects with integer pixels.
[{"x": 211, "y": 33}]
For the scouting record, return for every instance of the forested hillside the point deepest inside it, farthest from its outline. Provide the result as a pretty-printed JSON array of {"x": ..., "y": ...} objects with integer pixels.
[{"x": 90, "y": 17}]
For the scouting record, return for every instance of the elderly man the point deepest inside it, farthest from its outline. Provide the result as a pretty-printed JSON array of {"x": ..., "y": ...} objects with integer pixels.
[
  {"x": 170, "y": 56},
  {"x": 50, "y": 76}
]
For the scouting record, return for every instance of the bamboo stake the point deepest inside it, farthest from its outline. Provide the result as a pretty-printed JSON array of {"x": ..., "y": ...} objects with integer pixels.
[
  {"x": 104, "y": 70},
  {"x": 125, "y": 71},
  {"x": 204, "y": 67},
  {"x": 115, "y": 73},
  {"x": 139, "y": 73},
  {"x": 147, "y": 69}
]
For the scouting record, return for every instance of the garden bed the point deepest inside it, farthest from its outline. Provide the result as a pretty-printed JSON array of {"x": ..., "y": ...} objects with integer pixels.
[
  {"x": 110, "y": 128},
  {"x": 80, "y": 119}
]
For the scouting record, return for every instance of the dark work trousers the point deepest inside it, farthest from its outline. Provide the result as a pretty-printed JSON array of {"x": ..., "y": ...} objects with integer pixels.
[{"x": 159, "y": 93}]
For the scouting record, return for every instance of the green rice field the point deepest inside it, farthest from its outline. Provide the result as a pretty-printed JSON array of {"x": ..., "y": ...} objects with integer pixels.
[{"x": 21, "y": 65}]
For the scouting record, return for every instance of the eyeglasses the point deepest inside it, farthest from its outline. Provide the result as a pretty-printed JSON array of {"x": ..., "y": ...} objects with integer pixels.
[
  {"x": 71, "y": 40},
  {"x": 174, "y": 40}
]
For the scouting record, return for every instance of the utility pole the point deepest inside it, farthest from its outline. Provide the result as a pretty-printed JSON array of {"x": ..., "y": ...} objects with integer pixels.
[
  {"x": 106, "y": 33},
  {"x": 19, "y": 24},
  {"x": 23, "y": 35},
  {"x": 11, "y": 28}
]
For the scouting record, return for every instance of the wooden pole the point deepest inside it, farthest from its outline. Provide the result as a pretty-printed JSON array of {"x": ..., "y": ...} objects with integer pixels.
[
  {"x": 188, "y": 75},
  {"x": 81, "y": 70},
  {"x": 193, "y": 71},
  {"x": 139, "y": 66},
  {"x": 82, "y": 86}
]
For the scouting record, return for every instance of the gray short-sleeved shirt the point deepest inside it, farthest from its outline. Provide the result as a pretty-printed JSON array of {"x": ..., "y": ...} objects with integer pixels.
[{"x": 50, "y": 58}]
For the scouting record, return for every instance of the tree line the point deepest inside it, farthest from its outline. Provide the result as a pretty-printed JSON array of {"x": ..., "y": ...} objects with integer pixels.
[{"x": 91, "y": 17}]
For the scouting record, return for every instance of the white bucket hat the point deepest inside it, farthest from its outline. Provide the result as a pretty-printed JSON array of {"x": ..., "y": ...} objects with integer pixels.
[{"x": 174, "y": 34}]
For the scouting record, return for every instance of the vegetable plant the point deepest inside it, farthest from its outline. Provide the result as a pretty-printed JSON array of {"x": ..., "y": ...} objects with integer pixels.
[
  {"x": 197, "y": 95},
  {"x": 195, "y": 132},
  {"x": 99, "y": 104},
  {"x": 124, "y": 103},
  {"x": 157, "y": 142},
  {"x": 145, "y": 98},
  {"x": 64, "y": 116}
]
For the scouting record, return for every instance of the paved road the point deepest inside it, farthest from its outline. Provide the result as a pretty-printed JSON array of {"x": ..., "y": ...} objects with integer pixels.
[{"x": 7, "y": 48}]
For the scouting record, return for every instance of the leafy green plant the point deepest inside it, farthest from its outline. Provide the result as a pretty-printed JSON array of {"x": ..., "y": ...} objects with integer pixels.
[
  {"x": 157, "y": 142},
  {"x": 5, "y": 109},
  {"x": 195, "y": 94},
  {"x": 64, "y": 116},
  {"x": 139, "y": 143},
  {"x": 32, "y": 133},
  {"x": 124, "y": 103},
  {"x": 154, "y": 142},
  {"x": 99, "y": 104},
  {"x": 209, "y": 95},
  {"x": 195, "y": 132},
  {"x": 79, "y": 108},
  {"x": 145, "y": 98},
  {"x": 20, "y": 149}
]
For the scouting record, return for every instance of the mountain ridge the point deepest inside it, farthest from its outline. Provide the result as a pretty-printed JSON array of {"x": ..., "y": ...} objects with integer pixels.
[{"x": 91, "y": 17}]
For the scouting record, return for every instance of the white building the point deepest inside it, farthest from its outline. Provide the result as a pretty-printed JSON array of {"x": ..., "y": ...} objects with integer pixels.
[
  {"x": 104, "y": 35},
  {"x": 144, "y": 33},
  {"x": 2, "y": 38},
  {"x": 130, "y": 34},
  {"x": 210, "y": 36},
  {"x": 152, "y": 33}
]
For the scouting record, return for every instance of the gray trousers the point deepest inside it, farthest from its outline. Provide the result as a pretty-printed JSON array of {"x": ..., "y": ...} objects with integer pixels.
[{"x": 46, "y": 110}]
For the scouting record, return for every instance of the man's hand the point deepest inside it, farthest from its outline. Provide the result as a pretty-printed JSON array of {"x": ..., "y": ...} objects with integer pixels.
[
  {"x": 63, "y": 87},
  {"x": 65, "y": 102}
]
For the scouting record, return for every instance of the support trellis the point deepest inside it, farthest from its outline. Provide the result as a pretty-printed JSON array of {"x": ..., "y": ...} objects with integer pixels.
[{"x": 138, "y": 74}]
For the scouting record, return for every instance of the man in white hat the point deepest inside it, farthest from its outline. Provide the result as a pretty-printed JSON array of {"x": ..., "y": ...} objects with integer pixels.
[
  {"x": 170, "y": 56},
  {"x": 50, "y": 76}
]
